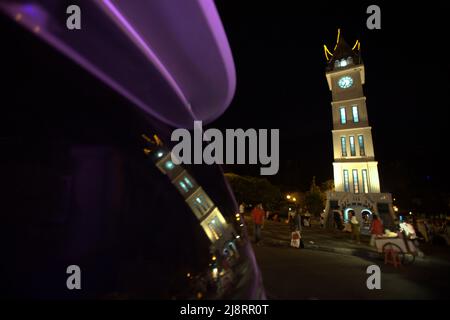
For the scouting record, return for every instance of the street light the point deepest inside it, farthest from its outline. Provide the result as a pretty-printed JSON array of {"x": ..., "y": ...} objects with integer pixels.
[
  {"x": 288, "y": 196},
  {"x": 294, "y": 199}
]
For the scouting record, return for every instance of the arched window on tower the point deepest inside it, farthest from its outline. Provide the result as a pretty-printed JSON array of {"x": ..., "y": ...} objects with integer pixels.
[{"x": 350, "y": 60}]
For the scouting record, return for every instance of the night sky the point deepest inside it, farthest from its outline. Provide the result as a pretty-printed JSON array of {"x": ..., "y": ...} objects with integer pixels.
[
  {"x": 278, "y": 51},
  {"x": 280, "y": 65}
]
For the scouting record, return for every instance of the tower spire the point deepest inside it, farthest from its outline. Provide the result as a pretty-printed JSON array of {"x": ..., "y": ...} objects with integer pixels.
[{"x": 341, "y": 51}]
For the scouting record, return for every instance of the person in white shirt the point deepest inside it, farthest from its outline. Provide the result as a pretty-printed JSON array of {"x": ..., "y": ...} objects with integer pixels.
[{"x": 355, "y": 227}]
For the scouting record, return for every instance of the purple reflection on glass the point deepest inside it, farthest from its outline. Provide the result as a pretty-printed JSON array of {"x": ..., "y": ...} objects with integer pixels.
[{"x": 181, "y": 42}]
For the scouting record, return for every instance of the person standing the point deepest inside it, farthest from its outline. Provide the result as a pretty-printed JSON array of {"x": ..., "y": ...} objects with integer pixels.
[
  {"x": 337, "y": 220},
  {"x": 258, "y": 221},
  {"x": 376, "y": 229},
  {"x": 354, "y": 223},
  {"x": 296, "y": 238},
  {"x": 242, "y": 209},
  {"x": 423, "y": 230},
  {"x": 297, "y": 220},
  {"x": 322, "y": 220}
]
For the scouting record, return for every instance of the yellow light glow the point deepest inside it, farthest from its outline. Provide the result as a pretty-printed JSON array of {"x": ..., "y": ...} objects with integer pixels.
[
  {"x": 327, "y": 52},
  {"x": 356, "y": 43},
  {"x": 157, "y": 140},
  {"x": 288, "y": 196},
  {"x": 147, "y": 151},
  {"x": 337, "y": 40},
  {"x": 294, "y": 199},
  {"x": 144, "y": 136},
  {"x": 188, "y": 275},
  {"x": 214, "y": 258}
]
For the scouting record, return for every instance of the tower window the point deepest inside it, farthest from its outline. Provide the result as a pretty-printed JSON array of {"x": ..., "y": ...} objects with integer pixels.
[
  {"x": 352, "y": 146},
  {"x": 344, "y": 146},
  {"x": 183, "y": 186},
  {"x": 362, "y": 151},
  {"x": 169, "y": 165},
  {"x": 355, "y": 181},
  {"x": 188, "y": 182},
  {"x": 364, "y": 181},
  {"x": 343, "y": 115},
  {"x": 346, "y": 182},
  {"x": 355, "y": 114},
  {"x": 200, "y": 203}
]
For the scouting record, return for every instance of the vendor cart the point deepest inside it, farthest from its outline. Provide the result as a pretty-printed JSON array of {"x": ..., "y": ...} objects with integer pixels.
[{"x": 402, "y": 245}]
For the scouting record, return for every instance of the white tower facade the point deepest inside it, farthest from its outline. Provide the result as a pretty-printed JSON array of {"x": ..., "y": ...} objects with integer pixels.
[{"x": 356, "y": 179}]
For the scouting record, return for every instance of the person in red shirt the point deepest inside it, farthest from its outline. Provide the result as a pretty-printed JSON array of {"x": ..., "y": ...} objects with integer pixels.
[
  {"x": 258, "y": 221},
  {"x": 376, "y": 229}
]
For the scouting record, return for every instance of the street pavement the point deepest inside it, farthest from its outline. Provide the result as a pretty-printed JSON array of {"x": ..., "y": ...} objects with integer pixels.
[{"x": 333, "y": 267}]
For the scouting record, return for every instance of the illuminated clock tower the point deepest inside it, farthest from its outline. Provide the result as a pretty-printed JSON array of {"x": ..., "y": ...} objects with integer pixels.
[{"x": 357, "y": 184}]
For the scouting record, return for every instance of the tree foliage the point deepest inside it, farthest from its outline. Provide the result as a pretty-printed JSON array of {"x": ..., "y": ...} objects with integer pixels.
[
  {"x": 315, "y": 199},
  {"x": 253, "y": 190}
]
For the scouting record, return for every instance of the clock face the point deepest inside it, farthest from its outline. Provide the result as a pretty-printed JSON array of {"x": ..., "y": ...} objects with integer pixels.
[{"x": 345, "y": 82}]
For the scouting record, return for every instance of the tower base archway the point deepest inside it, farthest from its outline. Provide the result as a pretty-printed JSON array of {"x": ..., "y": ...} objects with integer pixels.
[{"x": 364, "y": 206}]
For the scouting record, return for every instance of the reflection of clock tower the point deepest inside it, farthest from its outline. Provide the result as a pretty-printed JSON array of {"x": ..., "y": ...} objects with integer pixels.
[{"x": 356, "y": 180}]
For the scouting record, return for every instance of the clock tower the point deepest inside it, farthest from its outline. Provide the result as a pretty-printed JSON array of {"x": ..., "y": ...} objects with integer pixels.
[{"x": 356, "y": 180}]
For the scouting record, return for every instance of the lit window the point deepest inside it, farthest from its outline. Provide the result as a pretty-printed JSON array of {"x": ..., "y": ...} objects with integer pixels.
[
  {"x": 352, "y": 146},
  {"x": 355, "y": 181},
  {"x": 169, "y": 165},
  {"x": 362, "y": 151},
  {"x": 200, "y": 203},
  {"x": 355, "y": 114},
  {"x": 346, "y": 182},
  {"x": 343, "y": 115},
  {"x": 365, "y": 183},
  {"x": 183, "y": 186},
  {"x": 343, "y": 63},
  {"x": 214, "y": 225},
  {"x": 344, "y": 146},
  {"x": 185, "y": 183},
  {"x": 188, "y": 182}
]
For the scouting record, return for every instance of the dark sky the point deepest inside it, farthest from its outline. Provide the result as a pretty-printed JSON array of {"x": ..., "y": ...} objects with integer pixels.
[{"x": 278, "y": 52}]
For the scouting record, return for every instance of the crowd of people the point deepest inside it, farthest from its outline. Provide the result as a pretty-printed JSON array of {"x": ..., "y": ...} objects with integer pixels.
[
  {"x": 428, "y": 230},
  {"x": 432, "y": 230}
]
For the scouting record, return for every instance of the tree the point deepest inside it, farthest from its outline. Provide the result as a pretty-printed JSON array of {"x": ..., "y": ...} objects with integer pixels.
[
  {"x": 253, "y": 190},
  {"x": 315, "y": 199},
  {"x": 327, "y": 185}
]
